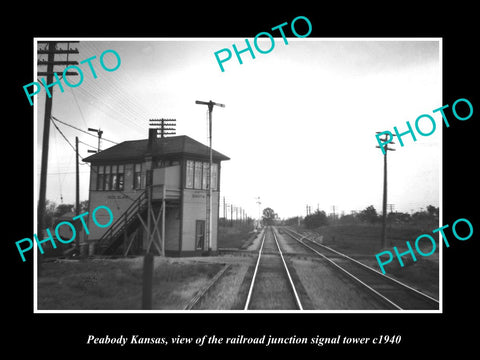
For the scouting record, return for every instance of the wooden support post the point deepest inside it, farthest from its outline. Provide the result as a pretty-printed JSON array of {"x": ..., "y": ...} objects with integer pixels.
[
  {"x": 164, "y": 209},
  {"x": 147, "y": 281},
  {"x": 125, "y": 240},
  {"x": 132, "y": 239}
]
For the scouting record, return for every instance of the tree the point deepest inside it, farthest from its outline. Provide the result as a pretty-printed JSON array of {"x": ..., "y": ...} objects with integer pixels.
[
  {"x": 347, "y": 219},
  {"x": 433, "y": 211},
  {"x": 292, "y": 221},
  {"x": 368, "y": 214},
  {"x": 398, "y": 217},
  {"x": 83, "y": 206},
  {"x": 49, "y": 212},
  {"x": 315, "y": 220},
  {"x": 63, "y": 209},
  {"x": 431, "y": 215}
]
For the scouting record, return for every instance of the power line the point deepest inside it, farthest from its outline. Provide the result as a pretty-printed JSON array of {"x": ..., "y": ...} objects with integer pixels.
[
  {"x": 61, "y": 133},
  {"x": 78, "y": 155},
  {"x": 84, "y": 143},
  {"x": 86, "y": 132},
  {"x": 79, "y": 108}
]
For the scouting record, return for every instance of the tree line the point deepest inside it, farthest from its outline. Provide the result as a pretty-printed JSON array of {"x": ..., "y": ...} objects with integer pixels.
[
  {"x": 53, "y": 210},
  {"x": 368, "y": 215}
]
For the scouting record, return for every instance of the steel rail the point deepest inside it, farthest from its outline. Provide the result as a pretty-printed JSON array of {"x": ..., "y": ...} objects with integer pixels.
[
  {"x": 382, "y": 297},
  {"x": 297, "y": 299},
  {"x": 399, "y": 283},
  {"x": 247, "y": 303},
  {"x": 375, "y": 272},
  {"x": 260, "y": 252}
]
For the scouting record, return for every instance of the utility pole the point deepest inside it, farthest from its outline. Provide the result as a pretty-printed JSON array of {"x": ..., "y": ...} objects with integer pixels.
[
  {"x": 50, "y": 63},
  {"x": 391, "y": 207},
  {"x": 77, "y": 190},
  {"x": 224, "y": 210},
  {"x": 210, "y": 105},
  {"x": 166, "y": 126},
  {"x": 308, "y": 209},
  {"x": 384, "y": 208}
]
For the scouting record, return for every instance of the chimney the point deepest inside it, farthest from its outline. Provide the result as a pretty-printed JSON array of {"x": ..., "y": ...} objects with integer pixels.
[{"x": 152, "y": 138}]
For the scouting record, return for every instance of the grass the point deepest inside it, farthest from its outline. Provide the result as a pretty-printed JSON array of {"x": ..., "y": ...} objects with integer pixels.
[
  {"x": 117, "y": 284},
  {"x": 225, "y": 294},
  {"x": 235, "y": 237},
  {"x": 329, "y": 290},
  {"x": 364, "y": 240}
]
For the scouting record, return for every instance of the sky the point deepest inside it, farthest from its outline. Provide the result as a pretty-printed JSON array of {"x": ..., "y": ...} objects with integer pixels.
[{"x": 299, "y": 123}]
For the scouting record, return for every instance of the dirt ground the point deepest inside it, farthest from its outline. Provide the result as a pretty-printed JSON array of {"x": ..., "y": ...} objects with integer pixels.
[
  {"x": 361, "y": 243},
  {"x": 116, "y": 284}
]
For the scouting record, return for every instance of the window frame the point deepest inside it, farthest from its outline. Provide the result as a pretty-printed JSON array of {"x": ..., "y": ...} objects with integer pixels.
[
  {"x": 189, "y": 174},
  {"x": 120, "y": 177},
  {"x": 196, "y": 175},
  {"x": 205, "y": 175},
  {"x": 137, "y": 176},
  {"x": 110, "y": 177},
  {"x": 100, "y": 177},
  {"x": 214, "y": 179}
]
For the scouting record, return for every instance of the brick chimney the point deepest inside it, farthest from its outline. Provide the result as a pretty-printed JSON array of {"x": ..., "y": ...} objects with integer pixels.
[{"x": 152, "y": 138}]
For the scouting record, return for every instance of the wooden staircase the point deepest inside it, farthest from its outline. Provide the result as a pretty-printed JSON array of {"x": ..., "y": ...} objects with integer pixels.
[{"x": 123, "y": 230}]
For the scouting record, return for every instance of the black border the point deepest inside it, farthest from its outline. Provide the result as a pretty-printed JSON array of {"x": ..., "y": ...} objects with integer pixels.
[{"x": 60, "y": 335}]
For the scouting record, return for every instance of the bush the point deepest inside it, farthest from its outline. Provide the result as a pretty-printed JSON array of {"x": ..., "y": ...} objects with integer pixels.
[
  {"x": 368, "y": 215},
  {"x": 315, "y": 220}
]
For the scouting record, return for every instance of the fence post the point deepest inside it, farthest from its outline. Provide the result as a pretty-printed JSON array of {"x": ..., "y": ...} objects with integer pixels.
[{"x": 147, "y": 281}]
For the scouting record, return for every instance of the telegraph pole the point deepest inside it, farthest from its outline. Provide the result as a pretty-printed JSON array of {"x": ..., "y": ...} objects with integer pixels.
[
  {"x": 166, "y": 126},
  {"x": 384, "y": 208},
  {"x": 392, "y": 207},
  {"x": 50, "y": 63},
  {"x": 77, "y": 190},
  {"x": 210, "y": 105}
]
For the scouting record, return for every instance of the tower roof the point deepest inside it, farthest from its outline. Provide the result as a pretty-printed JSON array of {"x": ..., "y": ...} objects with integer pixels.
[{"x": 182, "y": 146}]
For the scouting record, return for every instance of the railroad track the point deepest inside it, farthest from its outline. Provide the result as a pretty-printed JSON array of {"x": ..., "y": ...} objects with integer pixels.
[
  {"x": 272, "y": 287},
  {"x": 394, "y": 294}
]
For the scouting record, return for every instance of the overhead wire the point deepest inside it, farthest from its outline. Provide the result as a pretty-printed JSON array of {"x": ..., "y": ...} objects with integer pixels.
[
  {"x": 121, "y": 91},
  {"x": 118, "y": 91},
  {"x": 91, "y": 168},
  {"x": 100, "y": 93},
  {"x": 84, "y": 143},
  {"x": 124, "y": 106},
  {"x": 61, "y": 133},
  {"x": 79, "y": 108},
  {"x": 83, "y": 131}
]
